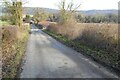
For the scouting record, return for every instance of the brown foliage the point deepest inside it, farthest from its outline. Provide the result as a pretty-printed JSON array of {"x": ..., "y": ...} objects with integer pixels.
[
  {"x": 102, "y": 39},
  {"x": 9, "y": 38},
  {"x": 12, "y": 44},
  {"x": 101, "y": 36}
]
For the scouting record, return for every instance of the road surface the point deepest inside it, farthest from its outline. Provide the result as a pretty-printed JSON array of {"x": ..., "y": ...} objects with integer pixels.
[{"x": 48, "y": 58}]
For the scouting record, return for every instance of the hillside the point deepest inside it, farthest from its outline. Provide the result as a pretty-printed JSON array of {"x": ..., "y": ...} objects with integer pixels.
[{"x": 32, "y": 10}]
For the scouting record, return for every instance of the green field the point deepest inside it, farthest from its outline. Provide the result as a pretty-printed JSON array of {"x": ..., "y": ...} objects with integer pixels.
[{"x": 4, "y": 23}]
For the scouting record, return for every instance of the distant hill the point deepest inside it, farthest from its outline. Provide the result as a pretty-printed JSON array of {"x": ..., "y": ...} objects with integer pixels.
[
  {"x": 31, "y": 11},
  {"x": 92, "y": 12},
  {"x": 0, "y": 10}
]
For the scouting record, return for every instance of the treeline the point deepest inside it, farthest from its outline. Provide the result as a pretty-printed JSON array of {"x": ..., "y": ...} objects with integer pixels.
[
  {"x": 81, "y": 18},
  {"x": 105, "y": 18}
]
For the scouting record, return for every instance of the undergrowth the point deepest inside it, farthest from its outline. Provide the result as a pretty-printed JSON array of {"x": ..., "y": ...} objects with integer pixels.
[
  {"x": 108, "y": 59},
  {"x": 14, "y": 41}
]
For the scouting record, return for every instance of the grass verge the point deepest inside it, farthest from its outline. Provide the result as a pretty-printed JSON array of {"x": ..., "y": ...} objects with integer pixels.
[
  {"x": 4, "y": 23},
  {"x": 13, "y": 49},
  {"x": 102, "y": 57}
]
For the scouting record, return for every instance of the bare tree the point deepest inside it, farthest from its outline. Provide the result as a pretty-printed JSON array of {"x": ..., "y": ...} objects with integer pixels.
[
  {"x": 15, "y": 11},
  {"x": 41, "y": 15},
  {"x": 67, "y": 11}
]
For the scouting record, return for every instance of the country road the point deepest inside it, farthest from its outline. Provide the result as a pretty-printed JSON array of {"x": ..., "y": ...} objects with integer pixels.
[{"x": 47, "y": 58}]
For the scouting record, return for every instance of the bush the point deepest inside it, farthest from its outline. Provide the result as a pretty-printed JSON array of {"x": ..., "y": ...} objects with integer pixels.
[
  {"x": 13, "y": 47},
  {"x": 4, "y": 18},
  {"x": 101, "y": 36}
]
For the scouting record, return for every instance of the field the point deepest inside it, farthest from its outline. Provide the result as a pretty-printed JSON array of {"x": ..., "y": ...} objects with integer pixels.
[
  {"x": 99, "y": 40},
  {"x": 4, "y": 23}
]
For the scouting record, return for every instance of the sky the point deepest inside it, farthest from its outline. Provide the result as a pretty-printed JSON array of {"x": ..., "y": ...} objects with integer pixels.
[{"x": 85, "y": 4}]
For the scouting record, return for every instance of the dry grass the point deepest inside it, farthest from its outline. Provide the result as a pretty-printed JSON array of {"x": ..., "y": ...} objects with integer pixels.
[
  {"x": 44, "y": 23},
  {"x": 103, "y": 36},
  {"x": 13, "y": 44},
  {"x": 100, "y": 41},
  {"x": 0, "y": 53}
]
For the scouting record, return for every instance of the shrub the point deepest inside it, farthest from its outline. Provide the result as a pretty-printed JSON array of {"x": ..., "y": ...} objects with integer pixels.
[
  {"x": 101, "y": 38},
  {"x": 13, "y": 47}
]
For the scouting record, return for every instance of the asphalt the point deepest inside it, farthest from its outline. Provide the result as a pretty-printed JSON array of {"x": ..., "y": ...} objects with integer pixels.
[{"x": 47, "y": 58}]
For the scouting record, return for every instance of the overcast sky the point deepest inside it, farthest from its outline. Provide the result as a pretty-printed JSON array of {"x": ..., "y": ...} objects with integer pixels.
[{"x": 85, "y": 4}]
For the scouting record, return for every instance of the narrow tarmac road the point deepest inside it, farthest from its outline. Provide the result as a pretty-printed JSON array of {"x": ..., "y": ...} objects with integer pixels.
[{"x": 48, "y": 58}]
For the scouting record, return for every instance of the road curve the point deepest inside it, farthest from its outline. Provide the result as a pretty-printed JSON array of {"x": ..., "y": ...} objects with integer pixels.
[{"x": 47, "y": 58}]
